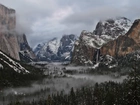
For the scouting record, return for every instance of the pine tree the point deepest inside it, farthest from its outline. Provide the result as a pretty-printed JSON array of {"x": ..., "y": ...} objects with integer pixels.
[{"x": 133, "y": 85}]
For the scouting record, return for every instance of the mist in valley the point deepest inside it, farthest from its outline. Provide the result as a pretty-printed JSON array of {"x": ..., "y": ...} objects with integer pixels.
[{"x": 57, "y": 81}]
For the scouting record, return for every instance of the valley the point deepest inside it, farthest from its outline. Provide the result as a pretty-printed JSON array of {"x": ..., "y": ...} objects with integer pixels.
[
  {"x": 56, "y": 81},
  {"x": 76, "y": 55}
]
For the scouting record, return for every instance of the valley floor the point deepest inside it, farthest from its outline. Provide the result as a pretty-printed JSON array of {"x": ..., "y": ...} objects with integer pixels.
[{"x": 60, "y": 78}]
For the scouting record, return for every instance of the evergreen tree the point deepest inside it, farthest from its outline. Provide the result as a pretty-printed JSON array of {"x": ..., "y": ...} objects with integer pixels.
[{"x": 133, "y": 85}]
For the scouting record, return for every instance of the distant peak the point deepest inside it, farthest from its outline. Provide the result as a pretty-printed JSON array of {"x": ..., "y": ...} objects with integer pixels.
[{"x": 113, "y": 26}]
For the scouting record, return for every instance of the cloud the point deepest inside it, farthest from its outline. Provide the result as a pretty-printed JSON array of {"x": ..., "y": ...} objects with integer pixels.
[
  {"x": 29, "y": 11},
  {"x": 87, "y": 17},
  {"x": 41, "y": 20}
]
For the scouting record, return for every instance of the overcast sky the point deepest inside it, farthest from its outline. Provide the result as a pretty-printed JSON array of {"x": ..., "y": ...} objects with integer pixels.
[{"x": 42, "y": 20}]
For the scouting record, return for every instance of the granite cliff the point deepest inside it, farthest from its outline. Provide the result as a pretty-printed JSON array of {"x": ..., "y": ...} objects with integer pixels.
[
  {"x": 11, "y": 42},
  {"x": 87, "y": 48},
  {"x": 8, "y": 39},
  {"x": 124, "y": 44}
]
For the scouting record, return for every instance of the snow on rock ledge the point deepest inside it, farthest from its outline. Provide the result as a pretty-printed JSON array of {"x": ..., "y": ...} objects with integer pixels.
[
  {"x": 12, "y": 64},
  {"x": 1, "y": 66},
  {"x": 87, "y": 46}
]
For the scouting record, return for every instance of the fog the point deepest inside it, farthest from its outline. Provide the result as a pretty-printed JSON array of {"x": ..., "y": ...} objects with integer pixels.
[
  {"x": 43, "y": 19},
  {"x": 41, "y": 89},
  {"x": 53, "y": 84}
]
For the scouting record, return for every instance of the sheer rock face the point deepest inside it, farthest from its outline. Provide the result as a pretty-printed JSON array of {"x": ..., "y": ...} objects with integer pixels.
[
  {"x": 7, "y": 18},
  {"x": 124, "y": 44},
  {"x": 8, "y": 38},
  {"x": 10, "y": 41},
  {"x": 26, "y": 53},
  {"x": 83, "y": 50},
  {"x": 9, "y": 44}
]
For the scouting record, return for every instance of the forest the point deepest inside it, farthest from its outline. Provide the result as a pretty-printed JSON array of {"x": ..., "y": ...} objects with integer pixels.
[{"x": 106, "y": 93}]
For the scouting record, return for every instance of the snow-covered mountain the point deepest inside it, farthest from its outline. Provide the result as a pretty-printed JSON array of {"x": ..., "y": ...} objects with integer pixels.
[
  {"x": 48, "y": 50},
  {"x": 56, "y": 49},
  {"x": 113, "y": 27},
  {"x": 85, "y": 50}
]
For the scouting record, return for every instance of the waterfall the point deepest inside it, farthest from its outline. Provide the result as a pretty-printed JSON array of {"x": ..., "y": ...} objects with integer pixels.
[{"x": 96, "y": 56}]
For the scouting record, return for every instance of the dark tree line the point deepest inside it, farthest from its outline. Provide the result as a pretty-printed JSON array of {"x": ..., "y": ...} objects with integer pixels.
[{"x": 107, "y": 93}]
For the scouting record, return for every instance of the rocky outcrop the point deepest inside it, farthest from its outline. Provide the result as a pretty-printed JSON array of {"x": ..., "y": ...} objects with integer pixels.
[
  {"x": 87, "y": 48},
  {"x": 84, "y": 49},
  {"x": 124, "y": 44},
  {"x": 26, "y": 53}
]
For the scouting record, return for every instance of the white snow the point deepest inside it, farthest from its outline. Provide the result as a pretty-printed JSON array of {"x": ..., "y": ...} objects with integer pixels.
[
  {"x": 124, "y": 24},
  {"x": 65, "y": 54},
  {"x": 77, "y": 42},
  {"x": 95, "y": 66},
  {"x": 109, "y": 59},
  {"x": 112, "y": 66},
  {"x": 138, "y": 56},
  {"x": 95, "y": 41},
  {"x": 16, "y": 66},
  {"x": 67, "y": 57},
  {"x": 54, "y": 45},
  {"x": 1, "y": 66},
  {"x": 118, "y": 26}
]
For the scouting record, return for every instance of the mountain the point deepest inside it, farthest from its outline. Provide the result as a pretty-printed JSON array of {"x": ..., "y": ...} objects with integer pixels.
[
  {"x": 26, "y": 53},
  {"x": 15, "y": 73},
  {"x": 113, "y": 27},
  {"x": 8, "y": 39},
  {"x": 47, "y": 51},
  {"x": 124, "y": 44},
  {"x": 56, "y": 49},
  {"x": 11, "y": 42},
  {"x": 66, "y": 47},
  {"x": 87, "y": 48}
]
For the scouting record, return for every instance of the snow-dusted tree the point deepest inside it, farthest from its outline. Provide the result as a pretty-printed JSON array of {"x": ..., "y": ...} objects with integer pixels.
[{"x": 133, "y": 84}]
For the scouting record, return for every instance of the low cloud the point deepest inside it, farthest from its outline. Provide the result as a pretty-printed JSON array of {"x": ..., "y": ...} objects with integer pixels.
[
  {"x": 89, "y": 16},
  {"x": 41, "y": 20}
]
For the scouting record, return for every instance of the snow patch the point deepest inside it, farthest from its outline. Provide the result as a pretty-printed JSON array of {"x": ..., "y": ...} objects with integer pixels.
[
  {"x": 1, "y": 66},
  {"x": 54, "y": 45},
  {"x": 112, "y": 66},
  {"x": 95, "y": 41},
  {"x": 95, "y": 66}
]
